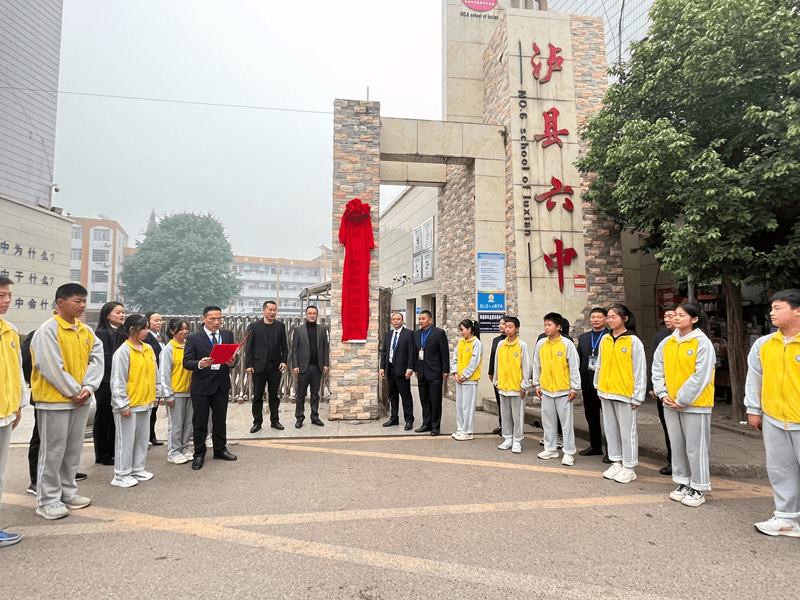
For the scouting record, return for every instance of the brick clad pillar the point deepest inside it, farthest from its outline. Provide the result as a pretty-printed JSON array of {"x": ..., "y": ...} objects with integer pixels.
[{"x": 356, "y": 174}]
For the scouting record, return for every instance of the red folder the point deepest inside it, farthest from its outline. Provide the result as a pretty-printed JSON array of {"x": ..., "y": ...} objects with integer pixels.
[{"x": 222, "y": 353}]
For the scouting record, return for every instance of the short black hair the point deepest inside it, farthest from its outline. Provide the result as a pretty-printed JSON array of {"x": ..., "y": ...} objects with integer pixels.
[
  {"x": 426, "y": 312},
  {"x": 554, "y": 317},
  {"x": 670, "y": 306},
  {"x": 68, "y": 290},
  {"x": 310, "y": 306},
  {"x": 599, "y": 309},
  {"x": 5, "y": 281},
  {"x": 209, "y": 309},
  {"x": 791, "y": 296},
  {"x": 513, "y": 320},
  {"x": 148, "y": 315},
  {"x": 267, "y": 303}
]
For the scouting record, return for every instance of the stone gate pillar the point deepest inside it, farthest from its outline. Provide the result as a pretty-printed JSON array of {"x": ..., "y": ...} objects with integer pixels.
[{"x": 356, "y": 174}]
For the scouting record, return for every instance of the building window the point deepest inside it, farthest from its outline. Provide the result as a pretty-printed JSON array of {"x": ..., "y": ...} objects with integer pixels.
[
  {"x": 98, "y": 297},
  {"x": 77, "y": 233},
  {"x": 74, "y": 274},
  {"x": 99, "y": 256},
  {"x": 99, "y": 276},
  {"x": 76, "y": 254},
  {"x": 100, "y": 234}
]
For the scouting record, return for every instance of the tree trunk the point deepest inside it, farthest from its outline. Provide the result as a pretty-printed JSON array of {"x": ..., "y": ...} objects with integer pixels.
[{"x": 737, "y": 352}]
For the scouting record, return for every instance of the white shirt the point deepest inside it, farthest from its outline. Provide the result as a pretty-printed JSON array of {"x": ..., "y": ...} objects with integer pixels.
[{"x": 219, "y": 339}]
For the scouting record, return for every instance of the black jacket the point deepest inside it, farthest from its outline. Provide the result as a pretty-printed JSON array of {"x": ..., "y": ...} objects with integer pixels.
[
  {"x": 153, "y": 342},
  {"x": 258, "y": 351},
  {"x": 403, "y": 351},
  {"x": 585, "y": 350},
  {"x": 437, "y": 354},
  {"x": 205, "y": 382}
]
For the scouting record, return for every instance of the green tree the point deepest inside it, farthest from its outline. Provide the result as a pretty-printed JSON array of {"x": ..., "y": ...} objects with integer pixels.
[
  {"x": 182, "y": 266},
  {"x": 698, "y": 145}
]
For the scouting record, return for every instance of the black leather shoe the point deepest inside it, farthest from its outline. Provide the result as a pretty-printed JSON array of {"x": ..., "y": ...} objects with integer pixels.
[
  {"x": 197, "y": 463},
  {"x": 255, "y": 428},
  {"x": 422, "y": 429},
  {"x": 155, "y": 442},
  {"x": 391, "y": 423},
  {"x": 82, "y": 476},
  {"x": 435, "y": 432},
  {"x": 591, "y": 451},
  {"x": 497, "y": 431},
  {"x": 666, "y": 470},
  {"x": 298, "y": 425},
  {"x": 277, "y": 426},
  {"x": 408, "y": 426},
  {"x": 225, "y": 455},
  {"x": 606, "y": 460},
  {"x": 318, "y": 422}
]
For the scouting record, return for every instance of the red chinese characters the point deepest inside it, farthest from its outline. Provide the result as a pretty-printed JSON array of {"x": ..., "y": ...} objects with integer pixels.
[
  {"x": 554, "y": 63},
  {"x": 551, "y": 130},
  {"x": 562, "y": 256},
  {"x": 558, "y": 188}
]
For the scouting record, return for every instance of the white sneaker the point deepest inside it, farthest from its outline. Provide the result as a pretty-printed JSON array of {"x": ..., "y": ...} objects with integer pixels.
[
  {"x": 693, "y": 498},
  {"x": 506, "y": 445},
  {"x": 568, "y": 460},
  {"x": 625, "y": 475},
  {"x": 125, "y": 481},
  {"x": 209, "y": 443},
  {"x": 679, "y": 493},
  {"x": 463, "y": 437},
  {"x": 54, "y": 510},
  {"x": 189, "y": 457},
  {"x": 548, "y": 454},
  {"x": 178, "y": 460},
  {"x": 142, "y": 475},
  {"x": 76, "y": 501},
  {"x": 516, "y": 447},
  {"x": 456, "y": 434},
  {"x": 612, "y": 471},
  {"x": 777, "y": 526}
]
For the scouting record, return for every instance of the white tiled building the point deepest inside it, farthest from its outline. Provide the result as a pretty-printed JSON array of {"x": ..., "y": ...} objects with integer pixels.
[{"x": 96, "y": 259}]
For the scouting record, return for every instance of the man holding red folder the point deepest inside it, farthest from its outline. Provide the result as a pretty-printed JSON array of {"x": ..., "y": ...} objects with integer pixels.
[{"x": 211, "y": 384}]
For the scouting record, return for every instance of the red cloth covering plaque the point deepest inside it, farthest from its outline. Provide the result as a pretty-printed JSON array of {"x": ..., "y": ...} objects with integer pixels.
[{"x": 355, "y": 234}]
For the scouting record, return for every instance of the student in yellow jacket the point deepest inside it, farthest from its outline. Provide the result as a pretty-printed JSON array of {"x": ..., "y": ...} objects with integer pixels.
[
  {"x": 772, "y": 398},
  {"x": 683, "y": 380},
  {"x": 68, "y": 368},
  {"x": 621, "y": 382},
  {"x": 175, "y": 382},
  {"x": 465, "y": 367},
  {"x": 512, "y": 379},
  {"x": 13, "y": 390},
  {"x": 557, "y": 381},
  {"x": 134, "y": 389}
]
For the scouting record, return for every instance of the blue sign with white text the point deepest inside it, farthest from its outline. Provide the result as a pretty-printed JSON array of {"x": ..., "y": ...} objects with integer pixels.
[{"x": 491, "y": 302}]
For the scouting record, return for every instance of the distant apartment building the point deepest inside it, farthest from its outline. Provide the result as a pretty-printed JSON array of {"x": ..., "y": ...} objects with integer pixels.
[
  {"x": 278, "y": 279},
  {"x": 96, "y": 259}
]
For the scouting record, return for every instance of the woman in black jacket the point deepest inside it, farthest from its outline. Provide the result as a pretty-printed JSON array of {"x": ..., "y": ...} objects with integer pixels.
[{"x": 112, "y": 315}]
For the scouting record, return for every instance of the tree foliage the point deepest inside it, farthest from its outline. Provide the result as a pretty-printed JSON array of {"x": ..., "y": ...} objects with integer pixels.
[
  {"x": 698, "y": 143},
  {"x": 182, "y": 266}
]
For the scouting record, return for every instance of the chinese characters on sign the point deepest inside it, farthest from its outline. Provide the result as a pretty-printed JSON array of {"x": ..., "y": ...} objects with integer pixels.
[
  {"x": 562, "y": 256},
  {"x": 554, "y": 63},
  {"x": 12, "y": 249},
  {"x": 551, "y": 130},
  {"x": 557, "y": 188}
]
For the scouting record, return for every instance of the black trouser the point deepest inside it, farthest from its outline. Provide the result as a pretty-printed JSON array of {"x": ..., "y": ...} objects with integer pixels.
[
  {"x": 399, "y": 387},
  {"x": 660, "y": 406},
  {"x": 313, "y": 377},
  {"x": 499, "y": 416},
  {"x": 33, "y": 449},
  {"x": 153, "y": 420},
  {"x": 430, "y": 396},
  {"x": 217, "y": 405},
  {"x": 591, "y": 407},
  {"x": 270, "y": 379},
  {"x": 103, "y": 428}
]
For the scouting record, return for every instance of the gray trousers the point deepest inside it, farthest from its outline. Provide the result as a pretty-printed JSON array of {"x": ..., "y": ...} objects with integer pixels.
[
  {"x": 512, "y": 411},
  {"x": 620, "y": 422},
  {"x": 690, "y": 437},
  {"x": 62, "y": 433},
  {"x": 466, "y": 399},
  {"x": 179, "y": 426},
  {"x": 555, "y": 408},
  {"x": 133, "y": 436},
  {"x": 783, "y": 468},
  {"x": 5, "y": 440}
]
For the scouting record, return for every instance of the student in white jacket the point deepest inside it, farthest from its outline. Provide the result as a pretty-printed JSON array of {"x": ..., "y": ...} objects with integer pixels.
[{"x": 683, "y": 379}]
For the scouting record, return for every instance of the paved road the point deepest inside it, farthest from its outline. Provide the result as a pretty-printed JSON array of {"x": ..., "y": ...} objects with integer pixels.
[{"x": 379, "y": 518}]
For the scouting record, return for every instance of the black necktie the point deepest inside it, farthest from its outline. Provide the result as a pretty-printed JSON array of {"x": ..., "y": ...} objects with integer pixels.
[{"x": 214, "y": 339}]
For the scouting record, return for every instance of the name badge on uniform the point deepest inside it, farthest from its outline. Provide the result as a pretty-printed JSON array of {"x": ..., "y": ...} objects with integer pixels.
[
  {"x": 422, "y": 353},
  {"x": 215, "y": 367},
  {"x": 593, "y": 364}
]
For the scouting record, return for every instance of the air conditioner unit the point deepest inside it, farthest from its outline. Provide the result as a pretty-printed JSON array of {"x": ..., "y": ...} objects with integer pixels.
[
  {"x": 107, "y": 244},
  {"x": 106, "y": 264}
]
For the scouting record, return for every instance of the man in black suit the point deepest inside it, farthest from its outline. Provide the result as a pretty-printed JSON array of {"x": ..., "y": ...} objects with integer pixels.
[
  {"x": 310, "y": 358},
  {"x": 431, "y": 365},
  {"x": 265, "y": 354},
  {"x": 153, "y": 339},
  {"x": 397, "y": 364},
  {"x": 210, "y": 385},
  {"x": 499, "y": 429}
]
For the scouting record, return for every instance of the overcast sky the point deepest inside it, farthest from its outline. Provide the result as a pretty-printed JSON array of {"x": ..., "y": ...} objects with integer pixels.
[{"x": 266, "y": 174}]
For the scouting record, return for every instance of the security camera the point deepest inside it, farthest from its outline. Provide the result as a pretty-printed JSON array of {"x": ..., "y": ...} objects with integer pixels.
[
  {"x": 405, "y": 276},
  {"x": 56, "y": 189}
]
